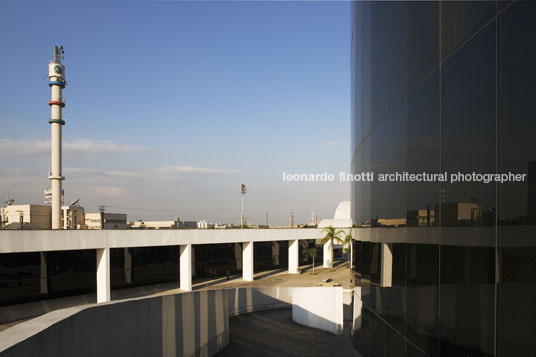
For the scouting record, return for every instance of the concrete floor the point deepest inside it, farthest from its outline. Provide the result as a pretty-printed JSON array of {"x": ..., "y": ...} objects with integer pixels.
[{"x": 273, "y": 333}]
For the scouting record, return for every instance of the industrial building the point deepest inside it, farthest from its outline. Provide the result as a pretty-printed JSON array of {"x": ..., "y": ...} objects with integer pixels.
[
  {"x": 26, "y": 216},
  {"x": 40, "y": 217},
  {"x": 106, "y": 220}
]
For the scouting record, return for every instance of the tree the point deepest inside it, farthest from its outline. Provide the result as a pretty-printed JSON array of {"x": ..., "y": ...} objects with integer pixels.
[
  {"x": 348, "y": 247},
  {"x": 332, "y": 236},
  {"x": 312, "y": 253}
]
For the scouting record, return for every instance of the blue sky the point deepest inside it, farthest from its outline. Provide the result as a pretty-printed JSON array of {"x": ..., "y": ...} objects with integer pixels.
[{"x": 172, "y": 105}]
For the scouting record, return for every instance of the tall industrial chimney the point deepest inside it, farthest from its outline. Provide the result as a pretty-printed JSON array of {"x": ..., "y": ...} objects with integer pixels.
[{"x": 56, "y": 74}]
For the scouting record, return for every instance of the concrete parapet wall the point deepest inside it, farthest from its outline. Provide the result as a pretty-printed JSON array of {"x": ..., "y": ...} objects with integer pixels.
[
  {"x": 184, "y": 324},
  {"x": 251, "y": 299},
  {"x": 188, "y": 324},
  {"x": 320, "y": 308}
]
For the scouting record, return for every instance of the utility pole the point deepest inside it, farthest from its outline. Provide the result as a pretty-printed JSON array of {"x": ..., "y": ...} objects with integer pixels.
[
  {"x": 266, "y": 219},
  {"x": 291, "y": 219}
]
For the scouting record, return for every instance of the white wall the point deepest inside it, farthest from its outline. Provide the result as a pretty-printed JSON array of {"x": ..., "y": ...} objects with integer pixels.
[{"x": 320, "y": 308}]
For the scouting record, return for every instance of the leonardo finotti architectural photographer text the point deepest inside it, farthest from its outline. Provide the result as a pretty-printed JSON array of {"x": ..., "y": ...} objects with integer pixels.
[{"x": 405, "y": 177}]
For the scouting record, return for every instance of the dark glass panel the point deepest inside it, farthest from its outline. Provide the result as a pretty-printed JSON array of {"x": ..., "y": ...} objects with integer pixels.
[
  {"x": 375, "y": 263},
  {"x": 362, "y": 334},
  {"x": 154, "y": 264},
  {"x": 399, "y": 264},
  {"x": 468, "y": 131},
  {"x": 71, "y": 272},
  {"x": 422, "y": 40},
  {"x": 467, "y": 299},
  {"x": 388, "y": 57},
  {"x": 423, "y": 296},
  {"x": 462, "y": 19},
  {"x": 213, "y": 260},
  {"x": 516, "y": 321},
  {"x": 517, "y": 147},
  {"x": 377, "y": 336},
  {"x": 423, "y": 152},
  {"x": 395, "y": 343},
  {"x": 501, "y": 4},
  {"x": 414, "y": 351},
  {"x": 388, "y": 147},
  {"x": 362, "y": 190},
  {"x": 19, "y": 277}
]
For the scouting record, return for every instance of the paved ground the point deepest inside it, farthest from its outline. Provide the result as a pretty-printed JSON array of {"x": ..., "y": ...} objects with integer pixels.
[
  {"x": 273, "y": 333},
  {"x": 339, "y": 275}
]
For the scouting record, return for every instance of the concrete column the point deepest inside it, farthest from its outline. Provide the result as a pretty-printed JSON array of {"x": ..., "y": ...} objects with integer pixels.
[
  {"x": 185, "y": 268},
  {"x": 103, "y": 275},
  {"x": 328, "y": 258},
  {"x": 44, "y": 275},
  {"x": 293, "y": 256},
  {"x": 386, "y": 274},
  {"x": 247, "y": 261},
  {"x": 128, "y": 265}
]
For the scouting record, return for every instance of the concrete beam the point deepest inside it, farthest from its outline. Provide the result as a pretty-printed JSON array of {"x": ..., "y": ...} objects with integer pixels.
[
  {"x": 328, "y": 256},
  {"x": 103, "y": 275},
  {"x": 185, "y": 268},
  {"x": 293, "y": 256},
  {"x": 386, "y": 274},
  {"x": 21, "y": 241},
  {"x": 247, "y": 261}
]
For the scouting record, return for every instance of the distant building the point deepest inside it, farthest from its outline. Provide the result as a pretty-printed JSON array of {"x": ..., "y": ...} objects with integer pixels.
[
  {"x": 460, "y": 213},
  {"x": 153, "y": 225},
  {"x": 188, "y": 224},
  {"x": 205, "y": 225},
  {"x": 105, "y": 220},
  {"x": 421, "y": 218},
  {"x": 31, "y": 216},
  {"x": 73, "y": 217}
]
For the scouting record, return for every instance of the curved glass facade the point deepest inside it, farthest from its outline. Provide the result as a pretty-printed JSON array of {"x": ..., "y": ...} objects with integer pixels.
[{"x": 445, "y": 269}]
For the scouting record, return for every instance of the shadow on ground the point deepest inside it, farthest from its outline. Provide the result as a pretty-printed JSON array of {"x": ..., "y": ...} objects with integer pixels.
[{"x": 273, "y": 333}]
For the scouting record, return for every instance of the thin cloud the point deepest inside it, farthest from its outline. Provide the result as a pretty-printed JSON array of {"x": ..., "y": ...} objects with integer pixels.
[
  {"x": 28, "y": 147},
  {"x": 110, "y": 191},
  {"x": 159, "y": 173},
  {"x": 193, "y": 170}
]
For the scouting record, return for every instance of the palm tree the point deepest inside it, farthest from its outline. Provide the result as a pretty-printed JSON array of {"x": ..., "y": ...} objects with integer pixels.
[
  {"x": 348, "y": 247},
  {"x": 312, "y": 253},
  {"x": 332, "y": 236}
]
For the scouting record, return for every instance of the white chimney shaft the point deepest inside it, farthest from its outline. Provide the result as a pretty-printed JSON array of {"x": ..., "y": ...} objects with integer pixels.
[{"x": 56, "y": 74}]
